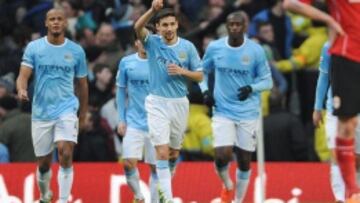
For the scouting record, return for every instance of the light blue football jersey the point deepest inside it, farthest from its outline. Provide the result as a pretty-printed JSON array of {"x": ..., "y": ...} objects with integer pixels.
[
  {"x": 55, "y": 68},
  {"x": 237, "y": 67},
  {"x": 182, "y": 53},
  {"x": 323, "y": 83},
  {"x": 133, "y": 75}
]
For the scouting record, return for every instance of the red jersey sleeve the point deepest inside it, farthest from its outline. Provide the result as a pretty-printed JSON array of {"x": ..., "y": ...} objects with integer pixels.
[{"x": 306, "y": 1}]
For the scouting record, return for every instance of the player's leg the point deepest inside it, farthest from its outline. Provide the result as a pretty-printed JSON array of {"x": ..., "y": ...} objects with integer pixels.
[
  {"x": 224, "y": 139},
  {"x": 336, "y": 180},
  {"x": 357, "y": 150},
  {"x": 133, "y": 144},
  {"x": 159, "y": 131},
  {"x": 245, "y": 146},
  {"x": 346, "y": 99},
  {"x": 150, "y": 158},
  {"x": 179, "y": 117},
  {"x": 66, "y": 133},
  {"x": 43, "y": 136}
]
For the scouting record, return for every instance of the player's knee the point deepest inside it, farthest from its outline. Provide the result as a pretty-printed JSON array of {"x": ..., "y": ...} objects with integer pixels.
[
  {"x": 128, "y": 165},
  {"x": 221, "y": 162},
  {"x": 162, "y": 152},
  {"x": 44, "y": 168},
  {"x": 65, "y": 155}
]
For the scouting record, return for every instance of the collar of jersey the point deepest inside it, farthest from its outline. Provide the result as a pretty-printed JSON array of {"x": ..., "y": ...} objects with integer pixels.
[
  {"x": 237, "y": 48},
  {"x": 173, "y": 45},
  {"x": 53, "y": 45},
  {"x": 139, "y": 58}
]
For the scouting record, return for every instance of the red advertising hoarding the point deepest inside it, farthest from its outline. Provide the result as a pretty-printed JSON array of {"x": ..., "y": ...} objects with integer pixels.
[{"x": 193, "y": 182}]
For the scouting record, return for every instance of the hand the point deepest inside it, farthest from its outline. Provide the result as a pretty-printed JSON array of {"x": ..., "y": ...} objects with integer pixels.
[
  {"x": 157, "y": 5},
  {"x": 244, "y": 92},
  {"x": 317, "y": 118},
  {"x": 208, "y": 99},
  {"x": 174, "y": 69},
  {"x": 23, "y": 95},
  {"x": 121, "y": 129}
]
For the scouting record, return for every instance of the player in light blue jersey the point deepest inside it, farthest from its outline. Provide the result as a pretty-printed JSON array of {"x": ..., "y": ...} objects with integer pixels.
[
  {"x": 172, "y": 61},
  {"x": 241, "y": 73},
  {"x": 323, "y": 92},
  {"x": 55, "y": 61},
  {"x": 132, "y": 82}
]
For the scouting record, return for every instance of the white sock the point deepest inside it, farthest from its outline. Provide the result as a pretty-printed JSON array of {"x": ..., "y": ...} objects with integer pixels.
[
  {"x": 65, "y": 180},
  {"x": 242, "y": 182},
  {"x": 337, "y": 183},
  {"x": 223, "y": 173},
  {"x": 154, "y": 182},
  {"x": 132, "y": 179},
  {"x": 164, "y": 176},
  {"x": 43, "y": 180}
]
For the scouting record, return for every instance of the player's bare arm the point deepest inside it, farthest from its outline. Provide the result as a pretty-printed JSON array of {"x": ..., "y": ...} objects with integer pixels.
[
  {"x": 196, "y": 76},
  {"x": 22, "y": 83},
  {"x": 140, "y": 24},
  {"x": 83, "y": 94},
  {"x": 313, "y": 13}
]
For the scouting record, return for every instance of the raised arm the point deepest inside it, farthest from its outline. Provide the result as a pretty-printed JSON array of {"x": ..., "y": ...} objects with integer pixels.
[
  {"x": 313, "y": 13},
  {"x": 140, "y": 24},
  {"x": 22, "y": 82}
]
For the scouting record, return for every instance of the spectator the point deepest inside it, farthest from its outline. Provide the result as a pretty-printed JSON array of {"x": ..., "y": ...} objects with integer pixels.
[
  {"x": 100, "y": 88},
  {"x": 95, "y": 142},
  {"x": 109, "y": 49},
  {"x": 281, "y": 23},
  {"x": 7, "y": 84},
  {"x": 284, "y": 135},
  {"x": 308, "y": 54},
  {"x": 15, "y": 131}
]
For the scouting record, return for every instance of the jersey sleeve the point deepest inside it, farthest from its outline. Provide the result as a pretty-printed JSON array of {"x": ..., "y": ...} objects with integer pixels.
[
  {"x": 195, "y": 61},
  {"x": 28, "y": 58},
  {"x": 262, "y": 65},
  {"x": 121, "y": 78},
  {"x": 149, "y": 41},
  {"x": 325, "y": 59},
  {"x": 306, "y": 1},
  {"x": 208, "y": 63},
  {"x": 81, "y": 67}
]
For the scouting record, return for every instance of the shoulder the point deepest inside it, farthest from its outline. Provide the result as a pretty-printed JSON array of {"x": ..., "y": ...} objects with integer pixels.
[
  {"x": 254, "y": 45},
  {"x": 216, "y": 44},
  {"x": 76, "y": 48},
  {"x": 36, "y": 43},
  {"x": 128, "y": 59}
]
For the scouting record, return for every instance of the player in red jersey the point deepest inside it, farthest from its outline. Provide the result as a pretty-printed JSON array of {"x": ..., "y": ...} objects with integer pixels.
[{"x": 345, "y": 75}]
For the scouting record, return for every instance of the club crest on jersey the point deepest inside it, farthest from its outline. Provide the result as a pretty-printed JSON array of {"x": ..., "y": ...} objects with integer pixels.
[
  {"x": 336, "y": 102},
  {"x": 245, "y": 60},
  {"x": 68, "y": 57},
  {"x": 182, "y": 56}
]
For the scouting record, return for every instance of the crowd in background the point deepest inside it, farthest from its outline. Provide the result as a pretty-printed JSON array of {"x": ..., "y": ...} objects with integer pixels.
[{"x": 104, "y": 28}]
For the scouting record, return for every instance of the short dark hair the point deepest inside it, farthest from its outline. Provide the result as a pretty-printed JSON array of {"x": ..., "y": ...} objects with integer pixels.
[
  {"x": 163, "y": 13},
  {"x": 261, "y": 23},
  {"x": 99, "y": 67}
]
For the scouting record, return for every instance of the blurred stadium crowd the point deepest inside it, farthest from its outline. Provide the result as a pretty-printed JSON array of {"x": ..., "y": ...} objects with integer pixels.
[{"x": 104, "y": 28}]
